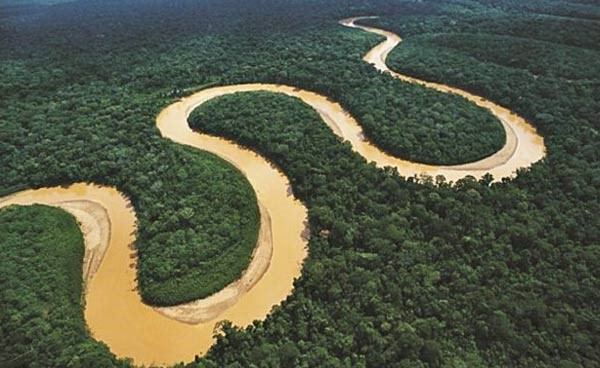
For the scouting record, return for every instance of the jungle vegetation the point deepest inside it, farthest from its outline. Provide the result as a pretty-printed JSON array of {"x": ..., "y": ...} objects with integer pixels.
[
  {"x": 402, "y": 272},
  {"x": 41, "y": 320}
]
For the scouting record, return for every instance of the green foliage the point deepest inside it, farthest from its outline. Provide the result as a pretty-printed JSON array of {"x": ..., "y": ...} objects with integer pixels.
[
  {"x": 190, "y": 248},
  {"x": 41, "y": 320},
  {"x": 316, "y": 54},
  {"x": 198, "y": 217},
  {"x": 540, "y": 58},
  {"x": 401, "y": 273},
  {"x": 468, "y": 273}
]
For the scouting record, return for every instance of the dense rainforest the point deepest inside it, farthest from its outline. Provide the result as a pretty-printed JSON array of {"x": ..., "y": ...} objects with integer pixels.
[
  {"x": 41, "y": 322},
  {"x": 402, "y": 272}
]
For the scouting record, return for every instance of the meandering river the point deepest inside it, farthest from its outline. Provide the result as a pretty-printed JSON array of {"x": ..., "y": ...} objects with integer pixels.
[{"x": 114, "y": 311}]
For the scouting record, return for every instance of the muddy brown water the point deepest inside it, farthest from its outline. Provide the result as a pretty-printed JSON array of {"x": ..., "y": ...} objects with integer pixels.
[
  {"x": 114, "y": 311},
  {"x": 523, "y": 145}
]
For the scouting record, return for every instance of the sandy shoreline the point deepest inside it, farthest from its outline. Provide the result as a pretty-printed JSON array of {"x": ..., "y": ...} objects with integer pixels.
[
  {"x": 114, "y": 311},
  {"x": 95, "y": 225},
  {"x": 92, "y": 217},
  {"x": 206, "y": 309},
  {"x": 522, "y": 148}
]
